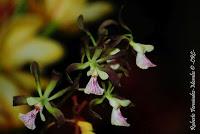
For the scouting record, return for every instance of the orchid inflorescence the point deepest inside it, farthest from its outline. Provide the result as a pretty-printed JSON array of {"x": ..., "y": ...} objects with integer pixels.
[{"x": 106, "y": 61}]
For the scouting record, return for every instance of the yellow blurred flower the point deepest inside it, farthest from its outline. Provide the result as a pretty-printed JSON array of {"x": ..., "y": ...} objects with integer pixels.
[
  {"x": 85, "y": 127},
  {"x": 19, "y": 45},
  {"x": 65, "y": 12}
]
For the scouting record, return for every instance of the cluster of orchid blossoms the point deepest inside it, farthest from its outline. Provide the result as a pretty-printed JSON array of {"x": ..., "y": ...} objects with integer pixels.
[{"x": 106, "y": 61}]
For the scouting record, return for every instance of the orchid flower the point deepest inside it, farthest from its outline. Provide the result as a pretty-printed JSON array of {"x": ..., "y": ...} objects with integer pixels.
[
  {"x": 20, "y": 44},
  {"x": 117, "y": 118},
  {"x": 96, "y": 59},
  {"x": 29, "y": 118},
  {"x": 141, "y": 60},
  {"x": 93, "y": 87},
  {"x": 116, "y": 115},
  {"x": 95, "y": 71},
  {"x": 43, "y": 100}
]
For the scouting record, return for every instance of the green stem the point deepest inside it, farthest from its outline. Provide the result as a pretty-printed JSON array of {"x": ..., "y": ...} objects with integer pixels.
[{"x": 92, "y": 39}]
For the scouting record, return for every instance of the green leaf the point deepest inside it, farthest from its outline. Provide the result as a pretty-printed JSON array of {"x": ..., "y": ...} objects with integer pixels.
[
  {"x": 33, "y": 100},
  {"x": 103, "y": 75},
  {"x": 55, "y": 112}
]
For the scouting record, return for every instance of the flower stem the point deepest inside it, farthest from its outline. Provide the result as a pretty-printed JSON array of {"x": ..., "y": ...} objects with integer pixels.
[{"x": 92, "y": 39}]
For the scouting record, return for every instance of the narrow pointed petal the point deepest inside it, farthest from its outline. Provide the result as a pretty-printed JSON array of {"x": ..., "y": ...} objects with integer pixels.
[
  {"x": 143, "y": 62},
  {"x": 93, "y": 87},
  {"x": 19, "y": 100},
  {"x": 141, "y": 48},
  {"x": 147, "y": 48},
  {"x": 56, "y": 113},
  {"x": 29, "y": 119},
  {"x": 117, "y": 103},
  {"x": 117, "y": 119}
]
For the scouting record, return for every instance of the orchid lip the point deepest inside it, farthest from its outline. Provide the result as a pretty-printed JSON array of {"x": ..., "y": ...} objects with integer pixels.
[
  {"x": 29, "y": 119},
  {"x": 117, "y": 118},
  {"x": 93, "y": 87}
]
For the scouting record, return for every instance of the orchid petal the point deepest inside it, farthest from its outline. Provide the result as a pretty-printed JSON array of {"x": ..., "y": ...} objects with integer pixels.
[
  {"x": 55, "y": 112},
  {"x": 143, "y": 62},
  {"x": 77, "y": 66},
  {"x": 93, "y": 87},
  {"x": 117, "y": 103},
  {"x": 33, "y": 100},
  {"x": 29, "y": 119},
  {"x": 42, "y": 117},
  {"x": 103, "y": 75},
  {"x": 117, "y": 119}
]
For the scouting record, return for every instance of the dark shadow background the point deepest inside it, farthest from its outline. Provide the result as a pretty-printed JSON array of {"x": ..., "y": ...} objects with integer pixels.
[{"x": 161, "y": 94}]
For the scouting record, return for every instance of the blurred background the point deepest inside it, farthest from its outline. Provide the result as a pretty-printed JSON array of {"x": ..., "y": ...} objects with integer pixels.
[{"x": 46, "y": 31}]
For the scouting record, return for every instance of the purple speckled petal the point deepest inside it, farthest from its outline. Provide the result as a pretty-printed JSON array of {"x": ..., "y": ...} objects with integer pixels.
[
  {"x": 143, "y": 62},
  {"x": 117, "y": 119},
  {"x": 93, "y": 87},
  {"x": 29, "y": 119}
]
